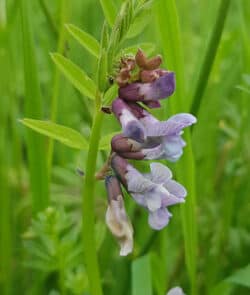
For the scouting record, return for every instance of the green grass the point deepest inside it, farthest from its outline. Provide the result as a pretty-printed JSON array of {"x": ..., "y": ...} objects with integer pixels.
[{"x": 205, "y": 247}]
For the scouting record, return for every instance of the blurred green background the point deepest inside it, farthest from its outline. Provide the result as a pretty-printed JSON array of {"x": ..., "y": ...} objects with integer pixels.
[{"x": 45, "y": 257}]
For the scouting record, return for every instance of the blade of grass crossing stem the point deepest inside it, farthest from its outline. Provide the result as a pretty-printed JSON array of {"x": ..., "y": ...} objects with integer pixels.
[
  {"x": 141, "y": 276},
  {"x": 64, "y": 12},
  {"x": 33, "y": 108},
  {"x": 171, "y": 43},
  {"x": 209, "y": 56}
]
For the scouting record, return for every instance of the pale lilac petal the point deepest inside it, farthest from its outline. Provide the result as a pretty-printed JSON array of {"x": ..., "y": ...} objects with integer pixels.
[
  {"x": 170, "y": 200},
  {"x": 153, "y": 200},
  {"x": 159, "y": 173},
  {"x": 173, "y": 147},
  {"x": 159, "y": 218},
  {"x": 136, "y": 182},
  {"x": 154, "y": 153},
  {"x": 175, "y": 188},
  {"x": 139, "y": 198},
  {"x": 131, "y": 126},
  {"x": 176, "y": 291},
  {"x": 172, "y": 126}
]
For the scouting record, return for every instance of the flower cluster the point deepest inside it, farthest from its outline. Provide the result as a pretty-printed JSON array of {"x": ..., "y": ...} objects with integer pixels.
[{"x": 143, "y": 137}]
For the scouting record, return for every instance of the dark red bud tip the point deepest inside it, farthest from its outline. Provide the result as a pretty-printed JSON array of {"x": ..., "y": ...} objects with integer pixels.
[
  {"x": 153, "y": 63},
  {"x": 113, "y": 187},
  {"x": 133, "y": 155},
  {"x": 121, "y": 144},
  {"x": 140, "y": 58}
]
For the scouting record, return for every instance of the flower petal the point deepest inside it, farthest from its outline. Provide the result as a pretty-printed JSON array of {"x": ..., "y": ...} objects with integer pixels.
[
  {"x": 172, "y": 126},
  {"x": 173, "y": 147},
  {"x": 153, "y": 200},
  {"x": 176, "y": 291},
  {"x": 159, "y": 218},
  {"x": 136, "y": 182},
  {"x": 119, "y": 224},
  {"x": 159, "y": 173},
  {"x": 175, "y": 188}
]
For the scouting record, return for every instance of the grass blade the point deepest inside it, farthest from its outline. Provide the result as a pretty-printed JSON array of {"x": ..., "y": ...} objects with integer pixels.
[
  {"x": 33, "y": 108},
  {"x": 75, "y": 75},
  {"x": 141, "y": 276},
  {"x": 209, "y": 56}
]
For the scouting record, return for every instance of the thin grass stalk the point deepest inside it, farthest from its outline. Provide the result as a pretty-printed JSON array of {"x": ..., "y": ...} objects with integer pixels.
[
  {"x": 33, "y": 109},
  {"x": 5, "y": 219},
  {"x": 170, "y": 38},
  {"x": 5, "y": 199},
  {"x": 209, "y": 56},
  {"x": 49, "y": 17},
  {"x": 88, "y": 208},
  {"x": 64, "y": 13}
]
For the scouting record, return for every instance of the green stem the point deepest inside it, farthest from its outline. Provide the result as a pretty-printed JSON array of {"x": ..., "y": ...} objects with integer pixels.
[
  {"x": 88, "y": 208},
  {"x": 209, "y": 56}
]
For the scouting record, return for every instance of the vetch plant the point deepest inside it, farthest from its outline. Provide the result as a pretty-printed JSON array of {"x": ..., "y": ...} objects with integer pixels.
[
  {"x": 141, "y": 84},
  {"x": 144, "y": 137}
]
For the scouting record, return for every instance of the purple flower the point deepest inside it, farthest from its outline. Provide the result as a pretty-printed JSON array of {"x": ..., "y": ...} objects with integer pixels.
[
  {"x": 116, "y": 217},
  {"x": 155, "y": 191},
  {"x": 162, "y": 87},
  {"x": 131, "y": 126},
  {"x": 162, "y": 140},
  {"x": 175, "y": 291}
]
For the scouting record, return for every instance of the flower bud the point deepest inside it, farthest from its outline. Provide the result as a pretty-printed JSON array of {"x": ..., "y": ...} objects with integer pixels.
[{"x": 116, "y": 217}]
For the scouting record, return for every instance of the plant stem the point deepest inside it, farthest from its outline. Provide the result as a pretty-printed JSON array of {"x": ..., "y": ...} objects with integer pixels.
[{"x": 88, "y": 208}]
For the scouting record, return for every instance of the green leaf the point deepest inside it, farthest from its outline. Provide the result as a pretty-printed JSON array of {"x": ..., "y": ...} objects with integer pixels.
[
  {"x": 86, "y": 40},
  {"x": 141, "y": 276},
  {"x": 65, "y": 135},
  {"x": 139, "y": 24},
  {"x": 75, "y": 75},
  {"x": 110, "y": 94},
  {"x": 241, "y": 277},
  {"x": 105, "y": 141},
  {"x": 109, "y": 11}
]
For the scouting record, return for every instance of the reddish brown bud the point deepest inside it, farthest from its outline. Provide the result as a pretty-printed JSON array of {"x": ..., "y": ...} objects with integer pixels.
[
  {"x": 140, "y": 58},
  {"x": 153, "y": 63},
  {"x": 148, "y": 76},
  {"x": 121, "y": 144}
]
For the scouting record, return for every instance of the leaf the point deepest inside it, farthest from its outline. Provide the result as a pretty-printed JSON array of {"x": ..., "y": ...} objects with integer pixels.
[
  {"x": 110, "y": 94},
  {"x": 105, "y": 141},
  {"x": 75, "y": 75},
  {"x": 109, "y": 11},
  {"x": 85, "y": 39},
  {"x": 65, "y": 135},
  {"x": 139, "y": 24},
  {"x": 241, "y": 277},
  {"x": 141, "y": 276}
]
